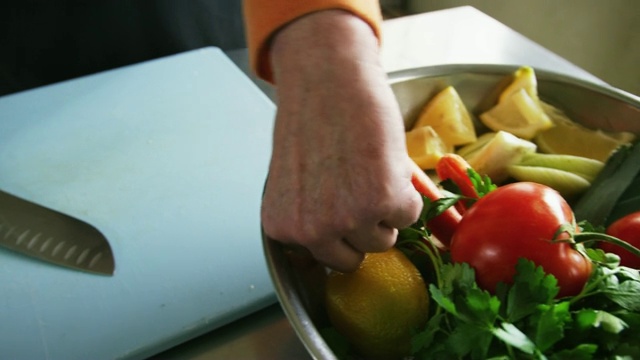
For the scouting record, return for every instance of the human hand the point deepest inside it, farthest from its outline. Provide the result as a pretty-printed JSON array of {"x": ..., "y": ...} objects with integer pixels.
[{"x": 340, "y": 178}]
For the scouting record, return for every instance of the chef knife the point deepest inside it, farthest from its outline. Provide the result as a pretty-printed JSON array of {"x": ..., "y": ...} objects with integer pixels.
[{"x": 49, "y": 235}]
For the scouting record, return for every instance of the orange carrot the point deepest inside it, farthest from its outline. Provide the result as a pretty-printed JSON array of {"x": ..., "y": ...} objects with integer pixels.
[
  {"x": 455, "y": 168},
  {"x": 444, "y": 225}
]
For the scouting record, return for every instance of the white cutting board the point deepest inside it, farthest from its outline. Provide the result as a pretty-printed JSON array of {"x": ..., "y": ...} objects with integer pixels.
[{"x": 167, "y": 158}]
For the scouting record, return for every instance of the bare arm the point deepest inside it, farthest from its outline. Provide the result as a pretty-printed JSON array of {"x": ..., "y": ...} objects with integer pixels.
[{"x": 340, "y": 178}]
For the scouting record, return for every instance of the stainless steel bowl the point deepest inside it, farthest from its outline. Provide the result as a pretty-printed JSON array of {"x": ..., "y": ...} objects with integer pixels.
[{"x": 298, "y": 279}]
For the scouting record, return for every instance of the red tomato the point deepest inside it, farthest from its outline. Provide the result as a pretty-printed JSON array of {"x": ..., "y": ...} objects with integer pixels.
[
  {"x": 626, "y": 228},
  {"x": 516, "y": 221}
]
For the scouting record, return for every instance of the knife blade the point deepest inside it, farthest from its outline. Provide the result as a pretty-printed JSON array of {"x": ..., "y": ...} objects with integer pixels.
[{"x": 52, "y": 236}]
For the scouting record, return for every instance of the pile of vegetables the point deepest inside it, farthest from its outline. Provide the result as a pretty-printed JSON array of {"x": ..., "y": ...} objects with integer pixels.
[
  {"x": 513, "y": 274},
  {"x": 521, "y": 279},
  {"x": 518, "y": 268},
  {"x": 521, "y": 138}
]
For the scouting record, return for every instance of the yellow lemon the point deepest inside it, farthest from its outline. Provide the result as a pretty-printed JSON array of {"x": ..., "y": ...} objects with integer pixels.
[
  {"x": 523, "y": 78},
  {"x": 378, "y": 306},
  {"x": 570, "y": 138},
  {"x": 449, "y": 117},
  {"x": 518, "y": 114},
  {"x": 622, "y": 137},
  {"x": 426, "y": 147}
]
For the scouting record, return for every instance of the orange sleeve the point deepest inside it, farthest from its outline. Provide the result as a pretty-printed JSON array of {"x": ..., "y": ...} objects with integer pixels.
[{"x": 263, "y": 18}]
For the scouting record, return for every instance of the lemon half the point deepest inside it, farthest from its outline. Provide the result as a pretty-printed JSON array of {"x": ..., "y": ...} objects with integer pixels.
[
  {"x": 570, "y": 138},
  {"x": 426, "y": 147},
  {"x": 519, "y": 114},
  {"x": 523, "y": 78},
  {"x": 449, "y": 117}
]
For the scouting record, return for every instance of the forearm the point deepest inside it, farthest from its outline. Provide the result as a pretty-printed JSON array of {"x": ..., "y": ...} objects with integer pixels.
[
  {"x": 327, "y": 43},
  {"x": 265, "y": 19},
  {"x": 339, "y": 69},
  {"x": 339, "y": 179}
]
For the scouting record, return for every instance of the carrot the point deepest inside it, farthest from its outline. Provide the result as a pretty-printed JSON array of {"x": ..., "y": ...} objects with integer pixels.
[
  {"x": 455, "y": 168},
  {"x": 444, "y": 225}
]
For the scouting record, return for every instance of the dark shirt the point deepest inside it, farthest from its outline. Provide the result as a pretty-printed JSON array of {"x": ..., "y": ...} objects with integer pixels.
[{"x": 43, "y": 42}]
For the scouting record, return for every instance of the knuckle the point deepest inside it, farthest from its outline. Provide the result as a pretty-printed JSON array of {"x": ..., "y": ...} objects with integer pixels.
[{"x": 414, "y": 208}]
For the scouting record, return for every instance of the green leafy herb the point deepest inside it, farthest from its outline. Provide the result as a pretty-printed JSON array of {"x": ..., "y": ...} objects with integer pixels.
[
  {"x": 597, "y": 204},
  {"x": 482, "y": 184},
  {"x": 432, "y": 209},
  {"x": 531, "y": 288},
  {"x": 525, "y": 319}
]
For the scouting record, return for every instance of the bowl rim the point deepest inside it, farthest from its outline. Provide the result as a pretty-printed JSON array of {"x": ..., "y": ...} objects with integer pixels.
[
  {"x": 503, "y": 69},
  {"x": 291, "y": 302}
]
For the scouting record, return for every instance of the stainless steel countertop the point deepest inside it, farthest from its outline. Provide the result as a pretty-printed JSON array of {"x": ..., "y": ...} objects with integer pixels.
[{"x": 453, "y": 36}]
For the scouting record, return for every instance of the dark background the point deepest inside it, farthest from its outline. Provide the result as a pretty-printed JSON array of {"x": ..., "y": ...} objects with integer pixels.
[{"x": 44, "y": 42}]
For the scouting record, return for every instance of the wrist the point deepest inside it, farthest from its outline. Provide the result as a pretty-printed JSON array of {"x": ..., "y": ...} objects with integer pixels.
[{"x": 329, "y": 40}]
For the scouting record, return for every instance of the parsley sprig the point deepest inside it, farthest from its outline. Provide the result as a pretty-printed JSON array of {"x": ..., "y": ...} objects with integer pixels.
[{"x": 524, "y": 320}]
